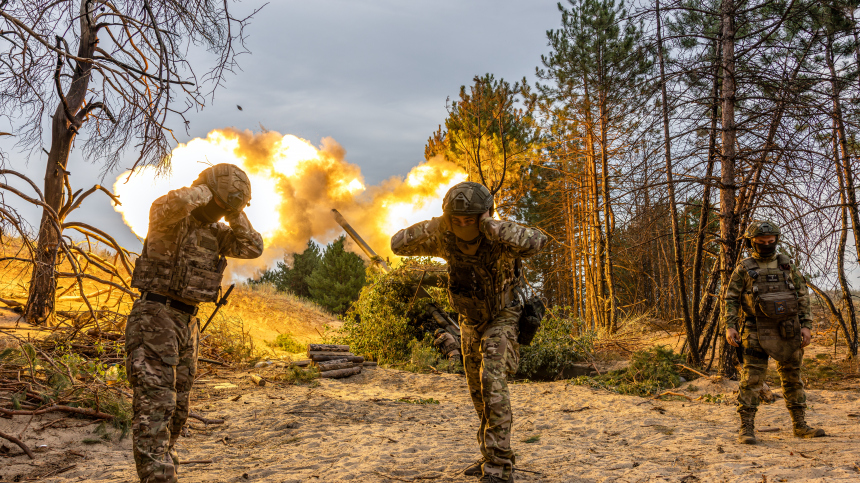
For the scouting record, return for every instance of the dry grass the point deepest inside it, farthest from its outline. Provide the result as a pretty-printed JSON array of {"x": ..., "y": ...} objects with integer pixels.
[
  {"x": 267, "y": 313},
  {"x": 263, "y": 312}
]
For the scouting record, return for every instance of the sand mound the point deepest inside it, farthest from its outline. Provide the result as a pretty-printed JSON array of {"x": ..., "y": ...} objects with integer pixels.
[{"x": 266, "y": 313}]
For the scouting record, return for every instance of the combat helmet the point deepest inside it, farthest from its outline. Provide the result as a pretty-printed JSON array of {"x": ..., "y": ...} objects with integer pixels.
[
  {"x": 467, "y": 198},
  {"x": 758, "y": 228},
  {"x": 228, "y": 183}
]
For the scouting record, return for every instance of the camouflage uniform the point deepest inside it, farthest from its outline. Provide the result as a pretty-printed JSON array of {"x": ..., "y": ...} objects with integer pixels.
[
  {"x": 447, "y": 345},
  {"x": 739, "y": 313},
  {"x": 161, "y": 340},
  {"x": 488, "y": 323},
  {"x": 739, "y": 299}
]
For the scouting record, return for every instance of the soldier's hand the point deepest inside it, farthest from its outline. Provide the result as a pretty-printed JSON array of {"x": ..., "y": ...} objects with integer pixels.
[
  {"x": 806, "y": 335},
  {"x": 733, "y": 338}
]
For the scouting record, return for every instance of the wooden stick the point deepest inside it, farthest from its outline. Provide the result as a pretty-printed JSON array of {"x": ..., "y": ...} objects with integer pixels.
[
  {"x": 195, "y": 462},
  {"x": 693, "y": 371},
  {"x": 351, "y": 358},
  {"x": 19, "y": 443},
  {"x": 311, "y": 354},
  {"x": 335, "y": 364},
  {"x": 68, "y": 409},
  {"x": 205, "y": 420},
  {"x": 339, "y": 373},
  {"x": 327, "y": 348}
]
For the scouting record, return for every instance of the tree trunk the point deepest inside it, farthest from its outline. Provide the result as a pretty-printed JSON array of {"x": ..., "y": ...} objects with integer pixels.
[
  {"x": 692, "y": 335},
  {"x": 848, "y": 171},
  {"x": 608, "y": 220},
  {"x": 43, "y": 284},
  {"x": 728, "y": 222},
  {"x": 851, "y": 330}
]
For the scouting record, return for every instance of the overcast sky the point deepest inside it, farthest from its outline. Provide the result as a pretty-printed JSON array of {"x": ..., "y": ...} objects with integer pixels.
[{"x": 372, "y": 74}]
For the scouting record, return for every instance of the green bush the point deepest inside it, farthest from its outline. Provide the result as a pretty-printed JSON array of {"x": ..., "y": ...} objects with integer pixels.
[
  {"x": 298, "y": 376},
  {"x": 383, "y": 324},
  {"x": 651, "y": 371},
  {"x": 425, "y": 358},
  {"x": 287, "y": 343},
  {"x": 555, "y": 348}
]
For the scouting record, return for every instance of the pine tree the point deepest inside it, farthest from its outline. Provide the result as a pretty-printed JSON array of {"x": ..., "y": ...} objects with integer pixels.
[
  {"x": 336, "y": 282},
  {"x": 291, "y": 276}
]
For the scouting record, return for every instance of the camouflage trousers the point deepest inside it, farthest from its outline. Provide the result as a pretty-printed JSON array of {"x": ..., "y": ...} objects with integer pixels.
[
  {"x": 161, "y": 361},
  {"x": 490, "y": 354},
  {"x": 755, "y": 369}
]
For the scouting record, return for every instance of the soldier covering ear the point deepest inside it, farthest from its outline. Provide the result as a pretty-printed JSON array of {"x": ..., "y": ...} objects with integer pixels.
[
  {"x": 181, "y": 265},
  {"x": 482, "y": 287}
]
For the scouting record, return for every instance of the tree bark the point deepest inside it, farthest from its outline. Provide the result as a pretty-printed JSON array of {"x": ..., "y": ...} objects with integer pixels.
[
  {"x": 728, "y": 221},
  {"x": 43, "y": 284}
]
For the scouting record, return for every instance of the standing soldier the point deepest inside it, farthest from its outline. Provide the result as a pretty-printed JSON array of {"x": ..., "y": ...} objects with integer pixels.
[
  {"x": 482, "y": 255},
  {"x": 181, "y": 265},
  {"x": 776, "y": 322}
]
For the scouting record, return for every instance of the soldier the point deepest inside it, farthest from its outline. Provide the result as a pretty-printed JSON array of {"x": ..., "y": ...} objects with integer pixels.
[
  {"x": 447, "y": 345},
  {"x": 482, "y": 280},
  {"x": 181, "y": 265},
  {"x": 776, "y": 322}
]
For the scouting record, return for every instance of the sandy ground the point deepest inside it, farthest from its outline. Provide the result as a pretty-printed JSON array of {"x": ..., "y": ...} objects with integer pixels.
[{"x": 356, "y": 430}]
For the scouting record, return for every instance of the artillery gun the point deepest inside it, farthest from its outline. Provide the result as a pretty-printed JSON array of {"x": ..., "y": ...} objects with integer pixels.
[{"x": 440, "y": 317}]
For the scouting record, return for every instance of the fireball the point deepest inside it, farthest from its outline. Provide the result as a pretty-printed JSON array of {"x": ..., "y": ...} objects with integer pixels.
[{"x": 294, "y": 186}]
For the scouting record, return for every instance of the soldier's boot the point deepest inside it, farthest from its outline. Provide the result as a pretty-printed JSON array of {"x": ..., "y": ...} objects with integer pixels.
[
  {"x": 801, "y": 429},
  {"x": 475, "y": 469},
  {"x": 746, "y": 432}
]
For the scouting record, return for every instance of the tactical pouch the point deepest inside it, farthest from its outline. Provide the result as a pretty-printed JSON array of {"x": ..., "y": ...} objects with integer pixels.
[
  {"x": 474, "y": 308},
  {"x": 786, "y": 328},
  {"x": 530, "y": 319},
  {"x": 151, "y": 275},
  {"x": 180, "y": 280},
  {"x": 778, "y": 305}
]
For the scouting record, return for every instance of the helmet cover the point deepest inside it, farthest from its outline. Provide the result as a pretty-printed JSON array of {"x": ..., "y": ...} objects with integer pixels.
[
  {"x": 762, "y": 228},
  {"x": 467, "y": 198},
  {"x": 228, "y": 183}
]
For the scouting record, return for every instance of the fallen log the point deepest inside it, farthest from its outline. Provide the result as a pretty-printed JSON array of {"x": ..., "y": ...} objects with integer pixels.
[
  {"x": 369, "y": 364},
  {"x": 327, "y": 348},
  {"x": 68, "y": 409},
  {"x": 335, "y": 364},
  {"x": 340, "y": 373},
  {"x": 258, "y": 380},
  {"x": 301, "y": 363},
  {"x": 20, "y": 444},
  {"x": 350, "y": 358},
  {"x": 311, "y": 354}
]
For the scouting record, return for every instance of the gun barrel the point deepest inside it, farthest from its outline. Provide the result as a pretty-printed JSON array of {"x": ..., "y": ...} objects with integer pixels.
[{"x": 376, "y": 259}]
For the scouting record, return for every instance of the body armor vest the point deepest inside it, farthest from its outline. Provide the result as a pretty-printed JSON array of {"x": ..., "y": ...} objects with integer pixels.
[
  {"x": 774, "y": 305},
  {"x": 473, "y": 281},
  {"x": 195, "y": 272}
]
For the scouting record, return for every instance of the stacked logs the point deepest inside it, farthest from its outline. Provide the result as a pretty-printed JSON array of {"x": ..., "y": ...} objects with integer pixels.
[{"x": 335, "y": 361}]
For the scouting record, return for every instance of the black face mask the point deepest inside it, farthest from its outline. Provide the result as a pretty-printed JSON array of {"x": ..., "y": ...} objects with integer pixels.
[
  {"x": 210, "y": 212},
  {"x": 764, "y": 250}
]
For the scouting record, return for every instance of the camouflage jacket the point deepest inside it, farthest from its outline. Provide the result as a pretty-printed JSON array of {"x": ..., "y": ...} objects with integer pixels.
[
  {"x": 479, "y": 285},
  {"x": 176, "y": 238},
  {"x": 738, "y": 300}
]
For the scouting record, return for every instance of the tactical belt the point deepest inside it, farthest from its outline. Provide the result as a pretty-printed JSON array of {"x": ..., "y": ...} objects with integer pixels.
[{"x": 169, "y": 302}]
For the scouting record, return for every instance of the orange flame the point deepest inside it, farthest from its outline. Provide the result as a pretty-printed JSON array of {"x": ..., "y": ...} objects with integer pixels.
[{"x": 294, "y": 187}]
